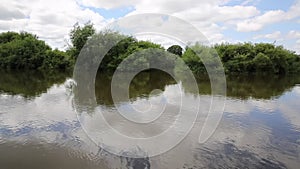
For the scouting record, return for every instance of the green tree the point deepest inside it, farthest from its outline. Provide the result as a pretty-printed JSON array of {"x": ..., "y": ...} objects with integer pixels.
[
  {"x": 175, "y": 49},
  {"x": 79, "y": 36},
  {"x": 56, "y": 60},
  {"x": 25, "y": 51},
  {"x": 251, "y": 58},
  {"x": 22, "y": 51},
  {"x": 126, "y": 46},
  {"x": 192, "y": 60}
]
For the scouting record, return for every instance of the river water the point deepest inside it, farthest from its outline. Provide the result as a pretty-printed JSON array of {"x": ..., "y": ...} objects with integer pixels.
[{"x": 39, "y": 126}]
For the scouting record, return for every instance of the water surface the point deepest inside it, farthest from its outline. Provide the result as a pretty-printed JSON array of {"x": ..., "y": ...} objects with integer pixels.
[{"x": 39, "y": 127}]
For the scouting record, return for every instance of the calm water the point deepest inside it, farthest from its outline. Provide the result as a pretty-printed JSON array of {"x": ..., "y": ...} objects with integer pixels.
[{"x": 39, "y": 128}]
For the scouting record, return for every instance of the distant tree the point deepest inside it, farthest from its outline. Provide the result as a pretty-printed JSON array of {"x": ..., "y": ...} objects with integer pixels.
[
  {"x": 175, "y": 49},
  {"x": 79, "y": 36}
]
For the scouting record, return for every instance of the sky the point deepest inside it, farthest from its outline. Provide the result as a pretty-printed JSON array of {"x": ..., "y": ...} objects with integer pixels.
[{"x": 272, "y": 21}]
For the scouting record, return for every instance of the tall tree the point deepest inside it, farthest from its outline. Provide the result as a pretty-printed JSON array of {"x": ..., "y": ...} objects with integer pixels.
[{"x": 79, "y": 36}]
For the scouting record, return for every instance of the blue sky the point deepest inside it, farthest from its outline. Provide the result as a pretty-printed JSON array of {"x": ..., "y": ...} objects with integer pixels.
[{"x": 219, "y": 20}]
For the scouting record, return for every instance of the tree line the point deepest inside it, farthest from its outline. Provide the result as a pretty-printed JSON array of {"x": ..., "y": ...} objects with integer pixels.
[
  {"x": 262, "y": 58},
  {"x": 24, "y": 50}
]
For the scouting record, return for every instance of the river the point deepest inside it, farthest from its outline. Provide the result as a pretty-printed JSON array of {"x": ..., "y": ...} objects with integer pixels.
[{"x": 40, "y": 127}]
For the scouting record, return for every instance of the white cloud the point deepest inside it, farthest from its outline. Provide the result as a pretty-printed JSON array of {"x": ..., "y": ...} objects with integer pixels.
[
  {"x": 247, "y": 2},
  {"x": 208, "y": 16},
  {"x": 13, "y": 25},
  {"x": 50, "y": 20},
  {"x": 259, "y": 22},
  {"x": 296, "y": 47},
  {"x": 171, "y": 6},
  {"x": 108, "y": 4},
  {"x": 294, "y": 37},
  {"x": 11, "y": 13},
  {"x": 293, "y": 34},
  {"x": 275, "y": 35},
  {"x": 269, "y": 17},
  {"x": 236, "y": 12},
  {"x": 208, "y": 19}
]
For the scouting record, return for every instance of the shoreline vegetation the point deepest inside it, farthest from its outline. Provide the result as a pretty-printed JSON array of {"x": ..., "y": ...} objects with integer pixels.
[{"x": 24, "y": 51}]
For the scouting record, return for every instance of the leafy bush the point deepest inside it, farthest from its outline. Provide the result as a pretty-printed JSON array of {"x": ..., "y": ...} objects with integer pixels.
[
  {"x": 25, "y": 51},
  {"x": 257, "y": 58}
]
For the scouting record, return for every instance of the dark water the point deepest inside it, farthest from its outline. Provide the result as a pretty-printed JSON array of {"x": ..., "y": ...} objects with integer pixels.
[{"x": 39, "y": 128}]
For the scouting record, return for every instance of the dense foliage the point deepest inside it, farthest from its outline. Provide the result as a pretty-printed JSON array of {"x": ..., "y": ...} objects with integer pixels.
[
  {"x": 258, "y": 58},
  {"x": 248, "y": 58},
  {"x": 25, "y": 51},
  {"x": 127, "y": 46}
]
